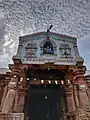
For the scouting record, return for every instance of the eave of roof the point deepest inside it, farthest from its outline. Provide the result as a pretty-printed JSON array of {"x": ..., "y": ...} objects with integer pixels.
[
  {"x": 4, "y": 70},
  {"x": 51, "y": 33},
  {"x": 87, "y": 73}
]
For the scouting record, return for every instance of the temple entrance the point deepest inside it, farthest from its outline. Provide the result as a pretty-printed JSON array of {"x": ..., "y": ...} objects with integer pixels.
[{"x": 45, "y": 101}]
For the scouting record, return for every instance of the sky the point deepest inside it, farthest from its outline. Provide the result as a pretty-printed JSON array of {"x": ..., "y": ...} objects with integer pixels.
[
  {"x": 84, "y": 49},
  {"x": 22, "y": 17}
]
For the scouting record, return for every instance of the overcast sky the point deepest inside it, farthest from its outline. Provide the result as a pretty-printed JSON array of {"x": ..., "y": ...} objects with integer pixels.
[
  {"x": 20, "y": 17},
  {"x": 84, "y": 49}
]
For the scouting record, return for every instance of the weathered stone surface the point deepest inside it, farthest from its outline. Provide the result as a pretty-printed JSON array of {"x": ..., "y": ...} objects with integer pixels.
[
  {"x": 8, "y": 102},
  {"x": 12, "y": 116}
]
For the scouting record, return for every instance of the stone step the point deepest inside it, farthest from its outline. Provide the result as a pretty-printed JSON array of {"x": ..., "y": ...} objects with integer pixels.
[{"x": 12, "y": 116}]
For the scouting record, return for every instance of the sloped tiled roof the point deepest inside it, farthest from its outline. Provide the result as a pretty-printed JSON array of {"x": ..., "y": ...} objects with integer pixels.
[
  {"x": 87, "y": 73},
  {"x": 4, "y": 70}
]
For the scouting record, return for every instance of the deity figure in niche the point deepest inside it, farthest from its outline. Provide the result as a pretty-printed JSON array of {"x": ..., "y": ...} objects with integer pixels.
[{"x": 48, "y": 48}]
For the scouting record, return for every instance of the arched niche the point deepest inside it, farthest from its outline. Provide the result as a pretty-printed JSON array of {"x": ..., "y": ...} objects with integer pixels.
[{"x": 48, "y": 47}]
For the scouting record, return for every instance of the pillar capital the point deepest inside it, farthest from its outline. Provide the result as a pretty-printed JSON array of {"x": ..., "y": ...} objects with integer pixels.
[
  {"x": 16, "y": 71},
  {"x": 79, "y": 70}
]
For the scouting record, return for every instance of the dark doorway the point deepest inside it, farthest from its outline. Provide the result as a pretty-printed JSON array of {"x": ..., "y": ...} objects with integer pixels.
[{"x": 45, "y": 102}]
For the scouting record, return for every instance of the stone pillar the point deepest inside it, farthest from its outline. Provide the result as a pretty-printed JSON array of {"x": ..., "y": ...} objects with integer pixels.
[
  {"x": 20, "y": 95},
  {"x": 81, "y": 87},
  {"x": 12, "y": 90},
  {"x": 20, "y": 100},
  {"x": 75, "y": 94},
  {"x": 70, "y": 101},
  {"x": 10, "y": 96},
  {"x": 87, "y": 79},
  {"x": 4, "y": 95}
]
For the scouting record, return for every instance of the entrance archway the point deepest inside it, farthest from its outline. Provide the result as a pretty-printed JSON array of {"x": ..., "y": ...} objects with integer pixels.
[{"x": 45, "y": 101}]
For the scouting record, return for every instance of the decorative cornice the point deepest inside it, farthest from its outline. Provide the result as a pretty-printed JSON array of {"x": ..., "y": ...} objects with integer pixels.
[{"x": 45, "y": 33}]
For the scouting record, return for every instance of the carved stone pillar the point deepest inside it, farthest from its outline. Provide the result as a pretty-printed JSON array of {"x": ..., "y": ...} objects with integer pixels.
[
  {"x": 20, "y": 101},
  {"x": 4, "y": 95},
  {"x": 16, "y": 71},
  {"x": 10, "y": 96},
  {"x": 87, "y": 79},
  {"x": 70, "y": 93},
  {"x": 81, "y": 87},
  {"x": 20, "y": 92},
  {"x": 70, "y": 101},
  {"x": 75, "y": 94},
  {"x": 12, "y": 90}
]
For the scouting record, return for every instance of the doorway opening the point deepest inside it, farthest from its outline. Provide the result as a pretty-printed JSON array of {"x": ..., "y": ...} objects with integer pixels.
[{"x": 46, "y": 102}]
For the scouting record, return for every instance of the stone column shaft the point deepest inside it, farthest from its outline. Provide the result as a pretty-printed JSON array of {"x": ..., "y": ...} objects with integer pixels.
[
  {"x": 81, "y": 88},
  {"x": 19, "y": 101},
  {"x": 70, "y": 101},
  {"x": 9, "y": 98},
  {"x": 76, "y": 97}
]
